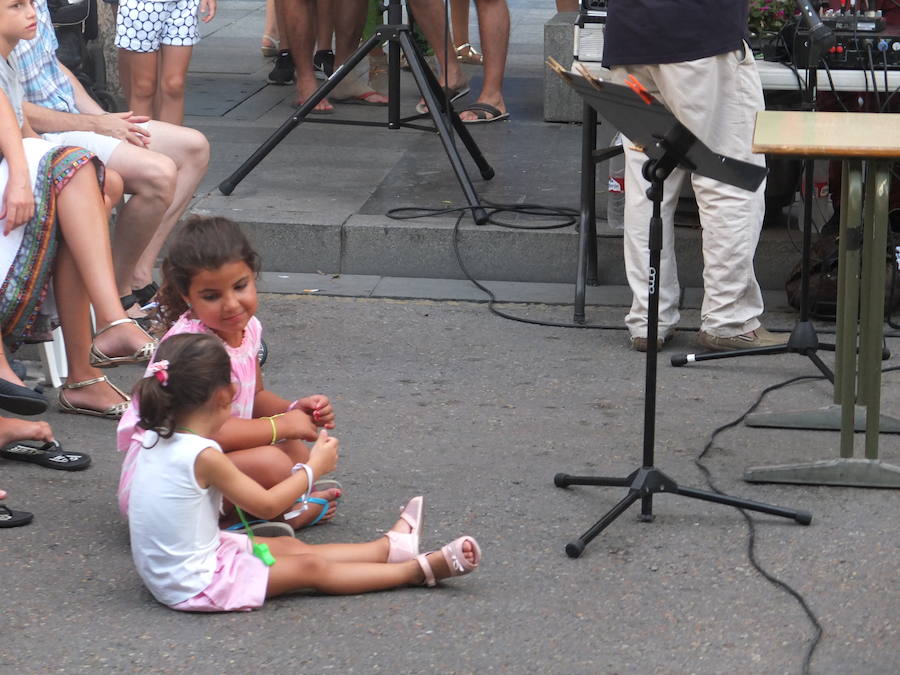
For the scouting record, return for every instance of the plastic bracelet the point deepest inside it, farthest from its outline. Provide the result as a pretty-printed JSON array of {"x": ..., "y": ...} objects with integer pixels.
[
  {"x": 294, "y": 405},
  {"x": 309, "y": 486},
  {"x": 274, "y": 430}
]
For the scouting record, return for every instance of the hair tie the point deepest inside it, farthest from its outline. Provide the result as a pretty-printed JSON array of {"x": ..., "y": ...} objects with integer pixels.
[{"x": 160, "y": 370}]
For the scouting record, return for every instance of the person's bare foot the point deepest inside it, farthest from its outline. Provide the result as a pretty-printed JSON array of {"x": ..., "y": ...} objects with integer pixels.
[
  {"x": 331, "y": 495},
  {"x": 306, "y": 87},
  {"x": 497, "y": 102},
  {"x": 98, "y": 396},
  {"x": 459, "y": 85},
  {"x": 13, "y": 429}
]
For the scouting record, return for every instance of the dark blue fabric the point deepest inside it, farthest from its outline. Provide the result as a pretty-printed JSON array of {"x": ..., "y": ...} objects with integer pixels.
[{"x": 669, "y": 31}]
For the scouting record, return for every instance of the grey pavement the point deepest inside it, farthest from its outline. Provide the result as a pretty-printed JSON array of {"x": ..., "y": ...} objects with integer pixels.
[{"x": 437, "y": 396}]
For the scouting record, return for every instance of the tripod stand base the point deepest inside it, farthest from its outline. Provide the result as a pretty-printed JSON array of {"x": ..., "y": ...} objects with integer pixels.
[
  {"x": 827, "y": 418},
  {"x": 643, "y": 484},
  {"x": 847, "y": 472}
]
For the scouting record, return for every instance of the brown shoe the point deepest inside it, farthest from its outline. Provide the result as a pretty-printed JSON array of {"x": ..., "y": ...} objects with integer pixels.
[
  {"x": 639, "y": 344},
  {"x": 755, "y": 338}
]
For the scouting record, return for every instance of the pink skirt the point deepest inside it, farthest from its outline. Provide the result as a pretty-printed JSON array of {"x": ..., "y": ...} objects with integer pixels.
[{"x": 239, "y": 582}]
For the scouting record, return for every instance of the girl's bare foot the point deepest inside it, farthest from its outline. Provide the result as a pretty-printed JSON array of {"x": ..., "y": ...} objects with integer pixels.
[{"x": 311, "y": 514}]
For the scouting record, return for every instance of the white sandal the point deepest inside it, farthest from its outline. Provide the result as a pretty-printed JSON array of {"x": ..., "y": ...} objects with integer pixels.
[{"x": 268, "y": 51}]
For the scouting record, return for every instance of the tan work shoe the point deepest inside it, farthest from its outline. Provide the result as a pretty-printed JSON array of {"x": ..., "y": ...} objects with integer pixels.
[
  {"x": 639, "y": 344},
  {"x": 755, "y": 338}
]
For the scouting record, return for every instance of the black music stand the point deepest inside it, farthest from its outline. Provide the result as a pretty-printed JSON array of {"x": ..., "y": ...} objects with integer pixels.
[
  {"x": 668, "y": 145},
  {"x": 399, "y": 37}
]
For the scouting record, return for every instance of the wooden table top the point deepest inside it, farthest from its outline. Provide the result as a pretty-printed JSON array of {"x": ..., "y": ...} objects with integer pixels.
[{"x": 827, "y": 134}]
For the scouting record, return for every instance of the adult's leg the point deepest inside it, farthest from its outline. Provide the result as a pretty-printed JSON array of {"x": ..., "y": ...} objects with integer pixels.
[
  {"x": 567, "y": 5},
  {"x": 174, "y": 62},
  {"x": 430, "y": 17},
  {"x": 83, "y": 225},
  {"x": 349, "y": 19},
  {"x": 459, "y": 21},
  {"x": 638, "y": 210},
  {"x": 189, "y": 150},
  {"x": 731, "y": 217},
  {"x": 150, "y": 179},
  {"x": 325, "y": 11},
  {"x": 493, "y": 26},
  {"x": 270, "y": 29},
  {"x": 141, "y": 69},
  {"x": 74, "y": 317},
  {"x": 297, "y": 19}
]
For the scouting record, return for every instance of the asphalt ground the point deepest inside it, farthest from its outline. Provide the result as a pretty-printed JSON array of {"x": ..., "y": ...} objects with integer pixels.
[{"x": 478, "y": 413}]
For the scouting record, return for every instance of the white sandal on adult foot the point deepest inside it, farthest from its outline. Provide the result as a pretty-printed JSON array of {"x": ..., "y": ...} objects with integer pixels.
[
  {"x": 456, "y": 560},
  {"x": 113, "y": 412},
  {"x": 143, "y": 353},
  {"x": 405, "y": 545}
]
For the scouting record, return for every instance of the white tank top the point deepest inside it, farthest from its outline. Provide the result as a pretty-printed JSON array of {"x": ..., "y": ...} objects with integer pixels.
[{"x": 174, "y": 523}]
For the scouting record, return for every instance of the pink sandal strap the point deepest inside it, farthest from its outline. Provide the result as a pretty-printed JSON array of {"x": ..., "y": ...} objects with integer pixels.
[{"x": 426, "y": 569}]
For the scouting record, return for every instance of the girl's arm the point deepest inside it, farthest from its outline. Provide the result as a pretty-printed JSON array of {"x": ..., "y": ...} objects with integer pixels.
[
  {"x": 239, "y": 434},
  {"x": 212, "y": 468},
  {"x": 207, "y": 10},
  {"x": 317, "y": 406},
  {"x": 18, "y": 200}
]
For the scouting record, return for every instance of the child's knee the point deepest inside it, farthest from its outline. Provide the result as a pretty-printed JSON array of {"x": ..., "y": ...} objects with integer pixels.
[{"x": 172, "y": 85}]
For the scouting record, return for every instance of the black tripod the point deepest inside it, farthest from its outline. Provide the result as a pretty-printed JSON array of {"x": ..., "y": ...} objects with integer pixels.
[
  {"x": 399, "y": 37},
  {"x": 648, "y": 480}
]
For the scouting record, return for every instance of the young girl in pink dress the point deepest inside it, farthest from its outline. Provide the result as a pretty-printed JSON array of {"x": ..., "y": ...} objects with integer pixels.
[
  {"x": 209, "y": 286},
  {"x": 181, "y": 477}
]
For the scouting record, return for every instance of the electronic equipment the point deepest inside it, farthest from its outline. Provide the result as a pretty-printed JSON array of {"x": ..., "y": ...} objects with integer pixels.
[
  {"x": 851, "y": 49},
  {"x": 589, "y": 29}
]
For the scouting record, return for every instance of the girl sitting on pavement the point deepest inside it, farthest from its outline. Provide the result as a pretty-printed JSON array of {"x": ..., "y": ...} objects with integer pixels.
[
  {"x": 209, "y": 286},
  {"x": 181, "y": 477}
]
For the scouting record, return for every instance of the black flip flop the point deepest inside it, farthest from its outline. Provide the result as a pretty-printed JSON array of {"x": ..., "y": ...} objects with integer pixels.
[
  {"x": 482, "y": 112},
  {"x": 50, "y": 455},
  {"x": 21, "y": 400},
  {"x": 145, "y": 295},
  {"x": 10, "y": 518}
]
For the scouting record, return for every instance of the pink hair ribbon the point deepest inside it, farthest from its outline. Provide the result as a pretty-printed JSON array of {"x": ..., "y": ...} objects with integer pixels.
[{"x": 160, "y": 370}]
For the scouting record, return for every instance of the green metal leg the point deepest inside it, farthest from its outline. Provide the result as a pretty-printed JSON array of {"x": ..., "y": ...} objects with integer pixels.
[{"x": 857, "y": 401}]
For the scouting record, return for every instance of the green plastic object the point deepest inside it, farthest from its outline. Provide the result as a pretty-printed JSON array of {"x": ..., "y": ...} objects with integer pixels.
[{"x": 260, "y": 550}]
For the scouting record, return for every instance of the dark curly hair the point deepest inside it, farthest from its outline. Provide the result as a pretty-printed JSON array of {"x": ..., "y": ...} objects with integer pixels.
[
  {"x": 202, "y": 243},
  {"x": 198, "y": 365}
]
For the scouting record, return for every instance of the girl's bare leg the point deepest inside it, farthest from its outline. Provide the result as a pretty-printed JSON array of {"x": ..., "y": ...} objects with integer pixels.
[
  {"x": 297, "y": 571},
  {"x": 142, "y": 72},
  {"x": 268, "y": 466},
  {"x": 83, "y": 224},
  {"x": 174, "y": 62},
  {"x": 459, "y": 20}
]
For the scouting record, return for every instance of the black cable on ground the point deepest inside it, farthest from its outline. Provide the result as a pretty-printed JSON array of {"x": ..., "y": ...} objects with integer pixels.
[
  {"x": 404, "y": 213},
  {"x": 751, "y": 527}
]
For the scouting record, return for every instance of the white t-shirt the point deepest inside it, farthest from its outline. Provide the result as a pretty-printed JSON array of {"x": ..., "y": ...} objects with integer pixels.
[{"x": 174, "y": 523}]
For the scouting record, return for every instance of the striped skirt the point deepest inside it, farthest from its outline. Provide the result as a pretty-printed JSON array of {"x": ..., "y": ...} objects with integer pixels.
[{"x": 28, "y": 253}]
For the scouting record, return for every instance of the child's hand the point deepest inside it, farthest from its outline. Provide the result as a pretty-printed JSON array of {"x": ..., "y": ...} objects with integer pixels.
[
  {"x": 207, "y": 10},
  {"x": 297, "y": 424},
  {"x": 319, "y": 408},
  {"x": 325, "y": 453}
]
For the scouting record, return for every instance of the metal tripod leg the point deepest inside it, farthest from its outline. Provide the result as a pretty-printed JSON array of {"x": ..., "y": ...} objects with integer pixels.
[{"x": 431, "y": 92}]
